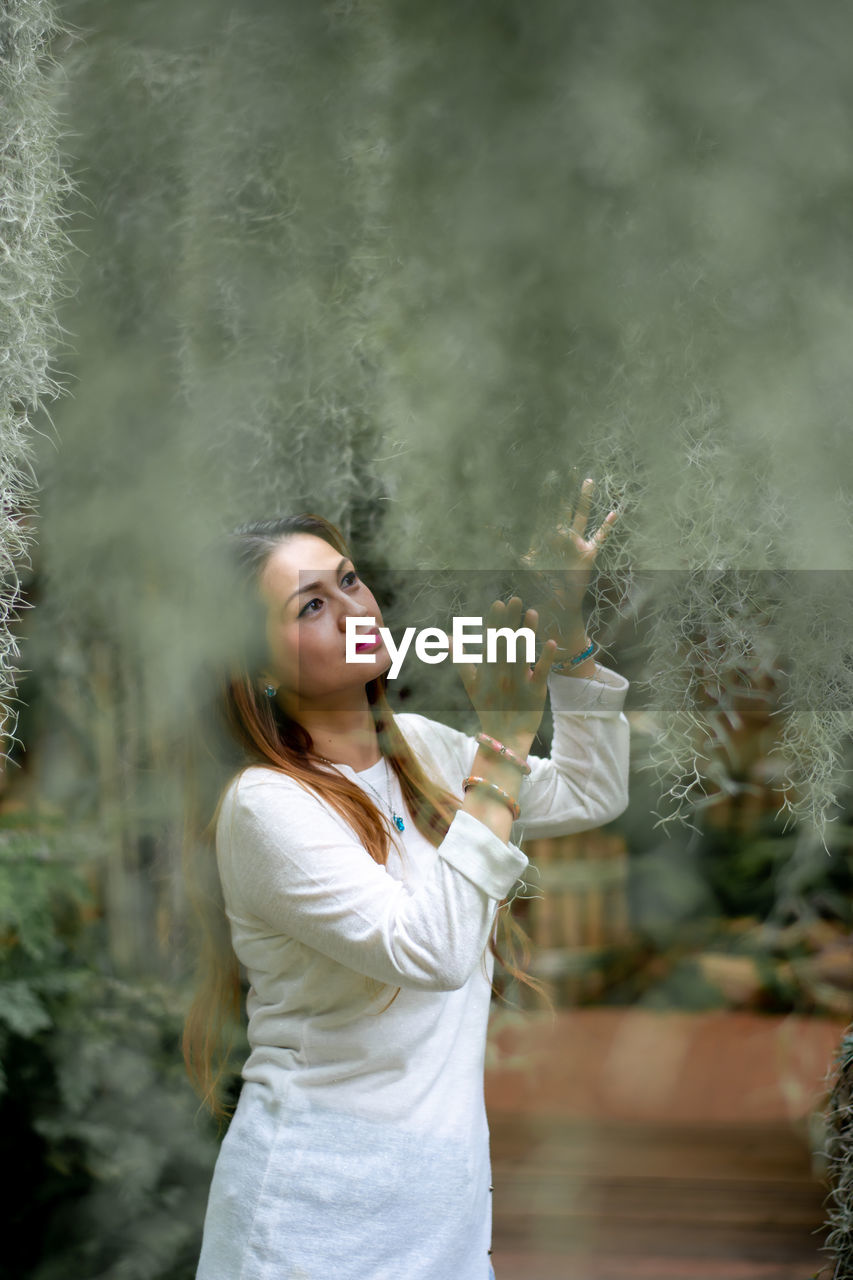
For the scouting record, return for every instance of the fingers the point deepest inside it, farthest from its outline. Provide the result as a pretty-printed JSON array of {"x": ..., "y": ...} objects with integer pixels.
[
  {"x": 543, "y": 663},
  {"x": 572, "y": 530},
  {"x": 579, "y": 523},
  {"x": 506, "y": 690},
  {"x": 509, "y": 616},
  {"x": 605, "y": 528},
  {"x": 502, "y": 614},
  {"x": 582, "y": 513}
]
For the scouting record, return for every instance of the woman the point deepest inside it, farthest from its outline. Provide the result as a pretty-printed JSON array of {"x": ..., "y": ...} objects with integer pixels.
[{"x": 362, "y": 858}]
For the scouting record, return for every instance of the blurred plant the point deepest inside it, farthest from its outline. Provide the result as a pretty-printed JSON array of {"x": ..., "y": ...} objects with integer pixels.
[
  {"x": 33, "y": 189},
  {"x": 839, "y": 1161},
  {"x": 320, "y": 246},
  {"x": 591, "y": 219},
  {"x": 334, "y": 240},
  {"x": 111, "y": 1169}
]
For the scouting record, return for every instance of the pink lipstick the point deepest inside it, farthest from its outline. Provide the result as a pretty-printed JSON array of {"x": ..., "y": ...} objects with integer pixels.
[{"x": 368, "y": 646}]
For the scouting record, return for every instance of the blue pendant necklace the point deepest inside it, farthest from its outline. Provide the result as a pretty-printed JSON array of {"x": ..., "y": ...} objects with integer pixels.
[{"x": 395, "y": 817}]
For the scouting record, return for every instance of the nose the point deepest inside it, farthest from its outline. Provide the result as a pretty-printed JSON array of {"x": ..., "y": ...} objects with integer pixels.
[{"x": 353, "y": 610}]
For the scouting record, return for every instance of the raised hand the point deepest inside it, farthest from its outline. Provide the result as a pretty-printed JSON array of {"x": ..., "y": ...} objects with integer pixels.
[
  {"x": 569, "y": 553},
  {"x": 509, "y": 696}
]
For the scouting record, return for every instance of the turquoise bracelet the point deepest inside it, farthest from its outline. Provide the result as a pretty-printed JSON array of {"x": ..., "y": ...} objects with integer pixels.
[{"x": 579, "y": 657}]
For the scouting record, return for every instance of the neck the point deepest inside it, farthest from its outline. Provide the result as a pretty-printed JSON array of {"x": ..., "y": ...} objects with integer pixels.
[{"x": 343, "y": 734}]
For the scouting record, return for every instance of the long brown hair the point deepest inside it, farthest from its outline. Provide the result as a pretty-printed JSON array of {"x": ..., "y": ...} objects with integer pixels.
[{"x": 235, "y": 726}]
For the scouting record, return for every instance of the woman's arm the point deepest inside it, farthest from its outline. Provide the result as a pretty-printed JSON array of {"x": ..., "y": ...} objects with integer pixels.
[
  {"x": 584, "y": 782},
  {"x": 291, "y": 864}
]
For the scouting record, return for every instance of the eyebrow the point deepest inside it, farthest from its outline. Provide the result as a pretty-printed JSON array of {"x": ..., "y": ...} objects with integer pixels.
[{"x": 314, "y": 586}]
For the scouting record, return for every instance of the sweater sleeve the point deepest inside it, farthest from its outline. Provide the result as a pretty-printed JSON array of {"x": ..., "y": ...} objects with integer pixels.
[
  {"x": 291, "y": 863},
  {"x": 582, "y": 784}
]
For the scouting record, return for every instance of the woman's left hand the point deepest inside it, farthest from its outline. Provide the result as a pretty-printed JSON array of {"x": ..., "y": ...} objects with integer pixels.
[{"x": 570, "y": 554}]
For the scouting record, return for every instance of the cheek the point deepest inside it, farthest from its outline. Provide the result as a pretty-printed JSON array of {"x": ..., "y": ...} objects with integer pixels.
[
  {"x": 298, "y": 649},
  {"x": 283, "y": 645},
  {"x": 374, "y": 609}
]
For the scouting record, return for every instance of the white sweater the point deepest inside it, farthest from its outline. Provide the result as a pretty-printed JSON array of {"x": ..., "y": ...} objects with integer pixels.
[{"x": 359, "y": 1149}]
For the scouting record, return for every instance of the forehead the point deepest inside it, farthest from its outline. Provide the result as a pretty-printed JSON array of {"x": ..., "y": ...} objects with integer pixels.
[{"x": 292, "y": 561}]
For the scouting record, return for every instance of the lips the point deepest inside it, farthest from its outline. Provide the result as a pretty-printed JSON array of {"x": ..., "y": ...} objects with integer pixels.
[{"x": 369, "y": 646}]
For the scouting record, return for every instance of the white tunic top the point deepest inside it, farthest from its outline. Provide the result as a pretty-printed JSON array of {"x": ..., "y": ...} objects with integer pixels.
[{"x": 359, "y": 1149}]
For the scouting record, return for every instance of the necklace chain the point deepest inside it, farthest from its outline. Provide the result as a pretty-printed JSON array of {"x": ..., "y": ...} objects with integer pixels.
[{"x": 395, "y": 817}]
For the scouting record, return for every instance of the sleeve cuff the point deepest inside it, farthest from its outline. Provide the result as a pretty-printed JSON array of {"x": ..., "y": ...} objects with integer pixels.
[
  {"x": 481, "y": 856},
  {"x": 600, "y": 695}
]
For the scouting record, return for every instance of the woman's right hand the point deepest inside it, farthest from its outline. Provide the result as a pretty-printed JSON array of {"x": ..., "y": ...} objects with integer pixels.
[{"x": 509, "y": 697}]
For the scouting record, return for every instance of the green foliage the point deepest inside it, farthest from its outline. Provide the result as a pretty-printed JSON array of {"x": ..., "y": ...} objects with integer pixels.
[
  {"x": 112, "y": 1160},
  {"x": 39, "y": 897}
]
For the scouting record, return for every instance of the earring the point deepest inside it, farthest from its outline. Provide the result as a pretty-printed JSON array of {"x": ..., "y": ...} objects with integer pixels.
[{"x": 270, "y": 690}]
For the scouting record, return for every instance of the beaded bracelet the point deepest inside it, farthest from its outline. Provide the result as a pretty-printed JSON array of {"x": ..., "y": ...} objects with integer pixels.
[
  {"x": 573, "y": 662},
  {"x": 486, "y": 741},
  {"x": 473, "y": 781}
]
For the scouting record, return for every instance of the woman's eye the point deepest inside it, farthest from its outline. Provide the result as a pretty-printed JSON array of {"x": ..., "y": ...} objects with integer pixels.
[{"x": 350, "y": 579}]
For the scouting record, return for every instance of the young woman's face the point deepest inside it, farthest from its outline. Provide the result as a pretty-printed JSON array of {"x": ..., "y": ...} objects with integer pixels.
[{"x": 310, "y": 591}]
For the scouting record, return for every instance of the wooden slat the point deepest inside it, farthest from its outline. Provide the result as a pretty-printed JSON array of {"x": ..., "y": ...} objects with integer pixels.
[
  {"x": 580, "y": 917},
  {"x": 515, "y": 1265},
  {"x": 581, "y": 1201}
]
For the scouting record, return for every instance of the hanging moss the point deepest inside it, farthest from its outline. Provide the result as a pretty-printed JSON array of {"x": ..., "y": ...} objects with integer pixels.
[
  {"x": 33, "y": 186},
  {"x": 424, "y": 270},
  {"x": 619, "y": 235}
]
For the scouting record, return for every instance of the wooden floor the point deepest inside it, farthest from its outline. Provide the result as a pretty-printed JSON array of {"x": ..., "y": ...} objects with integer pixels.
[
  {"x": 595, "y": 1182},
  {"x": 613, "y": 1202}
]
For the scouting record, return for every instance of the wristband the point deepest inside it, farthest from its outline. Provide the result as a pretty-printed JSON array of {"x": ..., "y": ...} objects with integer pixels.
[
  {"x": 573, "y": 662},
  {"x": 486, "y": 741},
  {"x": 473, "y": 781}
]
